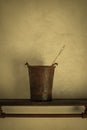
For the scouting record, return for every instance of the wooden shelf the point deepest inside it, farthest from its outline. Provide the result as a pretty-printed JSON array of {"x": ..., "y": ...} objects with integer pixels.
[{"x": 54, "y": 102}]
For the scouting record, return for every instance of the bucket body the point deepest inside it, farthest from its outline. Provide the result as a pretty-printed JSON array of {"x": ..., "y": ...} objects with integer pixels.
[{"x": 41, "y": 82}]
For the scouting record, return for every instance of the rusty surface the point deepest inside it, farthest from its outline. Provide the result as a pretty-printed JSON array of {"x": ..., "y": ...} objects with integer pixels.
[{"x": 41, "y": 82}]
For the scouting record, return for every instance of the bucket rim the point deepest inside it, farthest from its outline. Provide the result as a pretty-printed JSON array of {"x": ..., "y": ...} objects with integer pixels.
[{"x": 41, "y": 66}]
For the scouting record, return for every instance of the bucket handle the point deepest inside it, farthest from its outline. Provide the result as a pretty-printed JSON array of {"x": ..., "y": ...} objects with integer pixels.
[
  {"x": 55, "y": 64},
  {"x": 27, "y": 64}
]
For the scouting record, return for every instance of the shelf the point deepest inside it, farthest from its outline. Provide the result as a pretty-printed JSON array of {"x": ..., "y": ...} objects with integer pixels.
[{"x": 54, "y": 102}]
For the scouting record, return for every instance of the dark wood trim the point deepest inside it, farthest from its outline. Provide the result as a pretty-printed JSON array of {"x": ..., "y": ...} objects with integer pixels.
[
  {"x": 54, "y": 102},
  {"x": 4, "y": 115}
]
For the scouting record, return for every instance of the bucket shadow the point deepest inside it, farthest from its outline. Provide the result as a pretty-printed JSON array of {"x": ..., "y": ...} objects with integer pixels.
[{"x": 21, "y": 77}]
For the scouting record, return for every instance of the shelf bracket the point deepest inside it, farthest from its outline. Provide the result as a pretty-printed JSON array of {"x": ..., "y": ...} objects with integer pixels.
[
  {"x": 1, "y": 111},
  {"x": 84, "y": 114},
  {"x": 2, "y": 114}
]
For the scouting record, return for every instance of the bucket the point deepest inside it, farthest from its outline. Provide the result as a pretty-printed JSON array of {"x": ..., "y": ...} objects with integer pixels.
[{"x": 41, "y": 82}]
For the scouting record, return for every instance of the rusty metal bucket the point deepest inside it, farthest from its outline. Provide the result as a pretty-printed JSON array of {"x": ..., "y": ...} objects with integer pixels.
[{"x": 41, "y": 82}]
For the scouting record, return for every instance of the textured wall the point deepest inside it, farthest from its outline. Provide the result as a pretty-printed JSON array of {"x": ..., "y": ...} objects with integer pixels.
[{"x": 34, "y": 31}]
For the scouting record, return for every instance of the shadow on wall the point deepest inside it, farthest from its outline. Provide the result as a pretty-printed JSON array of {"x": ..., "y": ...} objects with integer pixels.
[
  {"x": 35, "y": 60},
  {"x": 62, "y": 92},
  {"x": 16, "y": 77},
  {"x": 20, "y": 72}
]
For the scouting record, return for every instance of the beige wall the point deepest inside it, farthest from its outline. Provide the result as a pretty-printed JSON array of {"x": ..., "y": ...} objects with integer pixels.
[{"x": 34, "y": 31}]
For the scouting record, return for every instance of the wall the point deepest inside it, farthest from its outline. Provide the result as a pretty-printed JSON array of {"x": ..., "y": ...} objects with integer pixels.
[{"x": 35, "y": 31}]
